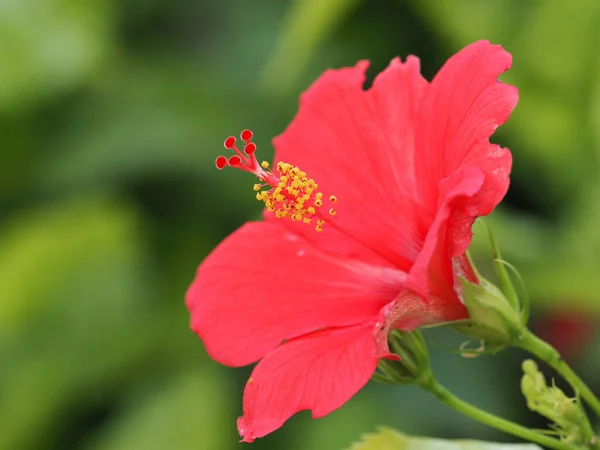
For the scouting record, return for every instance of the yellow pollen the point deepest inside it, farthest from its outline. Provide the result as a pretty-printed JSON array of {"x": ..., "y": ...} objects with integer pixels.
[
  {"x": 283, "y": 167},
  {"x": 286, "y": 191},
  {"x": 292, "y": 195}
]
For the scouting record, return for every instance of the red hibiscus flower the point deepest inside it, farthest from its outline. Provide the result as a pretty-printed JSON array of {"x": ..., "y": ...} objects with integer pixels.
[{"x": 412, "y": 167}]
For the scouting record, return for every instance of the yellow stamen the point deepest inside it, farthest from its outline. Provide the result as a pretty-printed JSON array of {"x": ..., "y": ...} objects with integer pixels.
[
  {"x": 293, "y": 195},
  {"x": 286, "y": 190}
]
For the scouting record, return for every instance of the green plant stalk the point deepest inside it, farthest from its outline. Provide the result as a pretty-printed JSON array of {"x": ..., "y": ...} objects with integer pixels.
[
  {"x": 445, "y": 396},
  {"x": 545, "y": 352}
]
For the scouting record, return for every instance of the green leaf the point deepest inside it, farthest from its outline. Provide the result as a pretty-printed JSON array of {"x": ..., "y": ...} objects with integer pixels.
[
  {"x": 389, "y": 439},
  {"x": 308, "y": 24},
  {"x": 75, "y": 291},
  {"x": 47, "y": 46},
  {"x": 142, "y": 122},
  {"x": 568, "y": 267},
  {"x": 187, "y": 412},
  {"x": 48, "y": 246},
  {"x": 384, "y": 439}
]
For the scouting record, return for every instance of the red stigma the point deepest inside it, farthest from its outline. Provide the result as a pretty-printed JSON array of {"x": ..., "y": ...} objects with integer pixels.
[
  {"x": 221, "y": 162},
  {"x": 229, "y": 142},
  {"x": 234, "y": 160},
  {"x": 291, "y": 194},
  {"x": 242, "y": 159}
]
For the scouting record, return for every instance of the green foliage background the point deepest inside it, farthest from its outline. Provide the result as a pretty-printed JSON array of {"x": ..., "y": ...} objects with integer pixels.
[{"x": 111, "y": 115}]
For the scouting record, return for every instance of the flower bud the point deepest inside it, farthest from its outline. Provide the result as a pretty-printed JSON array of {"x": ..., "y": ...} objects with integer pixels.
[
  {"x": 570, "y": 420},
  {"x": 413, "y": 363},
  {"x": 493, "y": 318}
]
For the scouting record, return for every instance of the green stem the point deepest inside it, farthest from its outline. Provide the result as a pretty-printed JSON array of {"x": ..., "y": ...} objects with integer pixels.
[
  {"x": 545, "y": 352},
  {"x": 491, "y": 420}
]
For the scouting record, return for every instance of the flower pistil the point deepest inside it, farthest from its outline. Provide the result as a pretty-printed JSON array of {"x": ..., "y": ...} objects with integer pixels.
[{"x": 292, "y": 193}]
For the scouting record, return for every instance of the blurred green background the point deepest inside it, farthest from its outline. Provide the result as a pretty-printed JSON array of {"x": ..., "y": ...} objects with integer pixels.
[{"x": 111, "y": 115}]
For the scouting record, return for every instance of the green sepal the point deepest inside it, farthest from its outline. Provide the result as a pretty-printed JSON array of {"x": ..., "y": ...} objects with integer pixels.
[
  {"x": 506, "y": 284},
  {"x": 493, "y": 318},
  {"x": 524, "y": 297},
  {"x": 413, "y": 366}
]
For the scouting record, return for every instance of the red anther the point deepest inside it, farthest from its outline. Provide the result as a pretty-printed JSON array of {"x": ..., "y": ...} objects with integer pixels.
[
  {"x": 234, "y": 160},
  {"x": 229, "y": 142},
  {"x": 246, "y": 135},
  {"x": 249, "y": 149},
  {"x": 221, "y": 162}
]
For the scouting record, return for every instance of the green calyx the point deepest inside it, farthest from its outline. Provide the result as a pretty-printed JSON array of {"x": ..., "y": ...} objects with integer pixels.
[
  {"x": 412, "y": 367},
  {"x": 497, "y": 315},
  {"x": 492, "y": 318}
]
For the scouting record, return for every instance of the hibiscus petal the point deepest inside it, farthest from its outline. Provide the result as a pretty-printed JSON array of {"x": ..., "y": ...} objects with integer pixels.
[
  {"x": 265, "y": 284},
  {"x": 433, "y": 276},
  {"x": 320, "y": 371},
  {"x": 432, "y": 287},
  {"x": 461, "y": 110},
  {"x": 359, "y": 145},
  {"x": 406, "y": 312}
]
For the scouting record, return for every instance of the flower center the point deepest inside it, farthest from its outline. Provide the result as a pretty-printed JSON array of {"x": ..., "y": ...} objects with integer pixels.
[{"x": 291, "y": 193}]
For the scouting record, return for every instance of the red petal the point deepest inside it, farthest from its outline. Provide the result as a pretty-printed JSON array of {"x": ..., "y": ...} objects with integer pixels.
[
  {"x": 358, "y": 145},
  {"x": 320, "y": 371},
  {"x": 264, "y": 284},
  {"x": 462, "y": 109},
  {"x": 433, "y": 276},
  {"x": 408, "y": 312}
]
